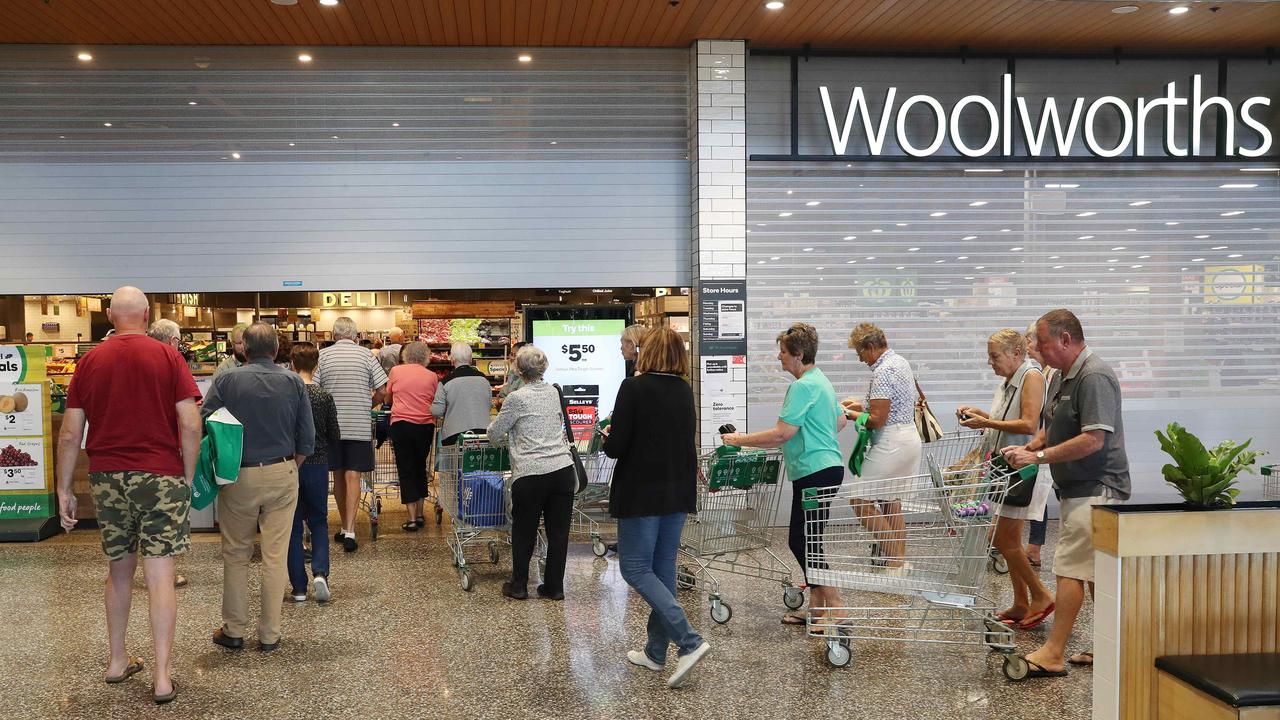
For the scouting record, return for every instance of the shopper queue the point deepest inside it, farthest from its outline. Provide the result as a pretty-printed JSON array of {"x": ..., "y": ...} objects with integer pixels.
[{"x": 139, "y": 403}]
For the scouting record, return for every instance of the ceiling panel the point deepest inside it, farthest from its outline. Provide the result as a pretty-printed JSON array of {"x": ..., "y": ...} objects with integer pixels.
[{"x": 1069, "y": 25}]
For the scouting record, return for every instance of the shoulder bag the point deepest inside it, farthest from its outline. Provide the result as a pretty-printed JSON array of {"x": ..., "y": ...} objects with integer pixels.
[
  {"x": 926, "y": 422},
  {"x": 579, "y": 470},
  {"x": 1021, "y": 487}
]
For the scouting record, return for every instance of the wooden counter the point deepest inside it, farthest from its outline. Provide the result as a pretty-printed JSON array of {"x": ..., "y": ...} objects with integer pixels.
[{"x": 1176, "y": 582}]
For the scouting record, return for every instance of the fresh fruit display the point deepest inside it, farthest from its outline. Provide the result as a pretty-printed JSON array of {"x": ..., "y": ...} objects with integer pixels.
[
  {"x": 13, "y": 457},
  {"x": 434, "y": 331},
  {"x": 60, "y": 366},
  {"x": 465, "y": 331}
]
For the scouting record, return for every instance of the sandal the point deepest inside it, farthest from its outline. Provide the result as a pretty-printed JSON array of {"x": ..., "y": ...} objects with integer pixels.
[
  {"x": 133, "y": 668},
  {"x": 1079, "y": 659},
  {"x": 1006, "y": 619},
  {"x": 1032, "y": 622},
  {"x": 1036, "y": 670},
  {"x": 169, "y": 696},
  {"x": 411, "y": 526}
]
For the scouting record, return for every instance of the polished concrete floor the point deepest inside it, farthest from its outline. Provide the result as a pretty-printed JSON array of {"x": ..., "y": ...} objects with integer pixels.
[{"x": 402, "y": 640}]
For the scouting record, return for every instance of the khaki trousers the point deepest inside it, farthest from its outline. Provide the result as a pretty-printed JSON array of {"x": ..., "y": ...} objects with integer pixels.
[{"x": 263, "y": 498}]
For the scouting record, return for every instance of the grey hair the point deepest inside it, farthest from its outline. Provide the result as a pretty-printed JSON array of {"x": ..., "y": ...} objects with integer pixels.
[
  {"x": 634, "y": 334},
  {"x": 416, "y": 353},
  {"x": 164, "y": 330},
  {"x": 531, "y": 363},
  {"x": 261, "y": 341},
  {"x": 344, "y": 328},
  {"x": 395, "y": 332},
  {"x": 460, "y": 354},
  {"x": 237, "y": 329}
]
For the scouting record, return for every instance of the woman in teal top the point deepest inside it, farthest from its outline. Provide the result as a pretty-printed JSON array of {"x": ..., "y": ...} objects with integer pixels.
[{"x": 806, "y": 431}]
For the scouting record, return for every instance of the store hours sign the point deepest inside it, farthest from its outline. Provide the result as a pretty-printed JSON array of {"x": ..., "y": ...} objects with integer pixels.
[{"x": 1051, "y": 129}]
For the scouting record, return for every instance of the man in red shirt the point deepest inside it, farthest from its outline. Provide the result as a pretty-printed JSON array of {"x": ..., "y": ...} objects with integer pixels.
[{"x": 139, "y": 401}]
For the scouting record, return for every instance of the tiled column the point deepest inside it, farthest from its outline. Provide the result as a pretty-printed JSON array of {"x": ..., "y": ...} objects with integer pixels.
[{"x": 718, "y": 160}]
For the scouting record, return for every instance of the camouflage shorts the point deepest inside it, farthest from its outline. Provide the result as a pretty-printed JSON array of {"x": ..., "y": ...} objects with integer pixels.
[{"x": 142, "y": 511}]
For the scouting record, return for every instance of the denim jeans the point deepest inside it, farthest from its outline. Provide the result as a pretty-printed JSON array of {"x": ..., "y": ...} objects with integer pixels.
[
  {"x": 1038, "y": 528},
  {"x": 313, "y": 508},
  {"x": 647, "y": 557}
]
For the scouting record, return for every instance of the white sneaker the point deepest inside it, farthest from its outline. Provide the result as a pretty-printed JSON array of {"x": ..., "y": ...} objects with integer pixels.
[
  {"x": 686, "y": 663},
  {"x": 638, "y": 657},
  {"x": 320, "y": 588}
]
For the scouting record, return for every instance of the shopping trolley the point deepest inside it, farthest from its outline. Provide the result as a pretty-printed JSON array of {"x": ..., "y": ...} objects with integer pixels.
[
  {"x": 953, "y": 450},
  {"x": 591, "y": 506},
  {"x": 930, "y": 542},
  {"x": 474, "y": 489},
  {"x": 737, "y": 495}
]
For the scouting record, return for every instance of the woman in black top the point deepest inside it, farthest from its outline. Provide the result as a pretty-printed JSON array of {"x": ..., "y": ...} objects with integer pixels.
[{"x": 652, "y": 437}]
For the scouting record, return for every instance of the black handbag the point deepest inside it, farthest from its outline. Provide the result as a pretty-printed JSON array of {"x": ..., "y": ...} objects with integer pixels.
[
  {"x": 1021, "y": 489},
  {"x": 579, "y": 470}
]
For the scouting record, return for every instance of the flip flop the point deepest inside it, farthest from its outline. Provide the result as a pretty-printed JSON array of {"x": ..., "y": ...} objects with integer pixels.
[
  {"x": 794, "y": 619},
  {"x": 1078, "y": 659},
  {"x": 133, "y": 668},
  {"x": 1031, "y": 622},
  {"x": 1036, "y": 670},
  {"x": 1006, "y": 620},
  {"x": 169, "y": 696}
]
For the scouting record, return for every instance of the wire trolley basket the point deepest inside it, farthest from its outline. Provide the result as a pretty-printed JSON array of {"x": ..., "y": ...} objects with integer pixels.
[
  {"x": 927, "y": 537},
  {"x": 475, "y": 491},
  {"x": 737, "y": 494}
]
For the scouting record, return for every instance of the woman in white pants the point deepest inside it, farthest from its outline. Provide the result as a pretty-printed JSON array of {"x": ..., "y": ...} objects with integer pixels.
[{"x": 895, "y": 443}]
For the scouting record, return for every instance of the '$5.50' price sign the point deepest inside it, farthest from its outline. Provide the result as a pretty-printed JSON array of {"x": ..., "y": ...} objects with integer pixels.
[
  {"x": 577, "y": 352},
  {"x": 22, "y": 464}
]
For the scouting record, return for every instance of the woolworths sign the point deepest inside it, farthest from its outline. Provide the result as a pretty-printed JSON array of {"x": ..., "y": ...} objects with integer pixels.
[{"x": 1052, "y": 129}]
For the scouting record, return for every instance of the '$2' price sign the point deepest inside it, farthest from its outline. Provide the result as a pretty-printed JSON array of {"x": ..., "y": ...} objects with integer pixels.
[{"x": 577, "y": 352}]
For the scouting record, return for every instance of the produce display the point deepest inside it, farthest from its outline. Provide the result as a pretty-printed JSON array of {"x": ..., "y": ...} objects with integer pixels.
[
  {"x": 11, "y": 456},
  {"x": 60, "y": 366}
]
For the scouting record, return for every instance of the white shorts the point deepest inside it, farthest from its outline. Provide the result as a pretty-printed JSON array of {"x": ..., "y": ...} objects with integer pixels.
[
  {"x": 894, "y": 457},
  {"x": 1073, "y": 557},
  {"x": 1039, "y": 499}
]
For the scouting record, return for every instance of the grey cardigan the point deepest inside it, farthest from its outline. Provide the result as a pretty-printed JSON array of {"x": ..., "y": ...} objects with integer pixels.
[
  {"x": 463, "y": 400},
  {"x": 531, "y": 424}
]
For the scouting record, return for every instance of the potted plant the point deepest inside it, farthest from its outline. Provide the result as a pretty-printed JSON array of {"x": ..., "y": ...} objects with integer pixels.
[{"x": 1205, "y": 478}]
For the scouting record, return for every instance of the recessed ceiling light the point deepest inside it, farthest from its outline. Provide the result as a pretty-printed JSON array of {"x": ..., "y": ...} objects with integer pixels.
[
  {"x": 901, "y": 224},
  {"x": 1220, "y": 247},
  {"x": 979, "y": 267},
  {"x": 84, "y": 57},
  {"x": 1085, "y": 237},
  {"x": 329, "y": 3},
  {"x": 1261, "y": 169},
  {"x": 334, "y": 137},
  {"x": 525, "y": 58},
  {"x": 969, "y": 237},
  {"x": 850, "y": 262},
  {"x": 292, "y": 144},
  {"x": 1173, "y": 222},
  {"x": 1054, "y": 257},
  {"x": 1086, "y": 214},
  {"x": 901, "y": 267},
  {"x": 977, "y": 203},
  {"x": 789, "y": 192},
  {"x": 914, "y": 249},
  {"x": 1203, "y": 237},
  {"x": 1058, "y": 267},
  {"x": 983, "y": 170},
  {"x": 785, "y": 214},
  {"x": 820, "y": 267},
  {"x": 192, "y": 102},
  {"x": 235, "y": 155},
  {"x": 1235, "y": 255},
  {"x": 1131, "y": 229},
  {"x": 938, "y": 262},
  {"x": 1233, "y": 213},
  {"x": 871, "y": 257},
  {"x": 812, "y": 203},
  {"x": 776, "y": 257},
  {"x": 62, "y": 137},
  {"x": 775, "y": 5},
  {"x": 760, "y": 262},
  {"x": 1238, "y": 186},
  {"x": 962, "y": 257},
  {"x": 850, "y": 237},
  {"x": 1135, "y": 267},
  {"x": 877, "y": 230},
  {"x": 1184, "y": 269},
  {"x": 1197, "y": 259},
  {"x": 395, "y": 124},
  {"x": 1120, "y": 247},
  {"x": 553, "y": 142},
  {"x": 936, "y": 214},
  {"x": 1139, "y": 203},
  {"x": 1015, "y": 249},
  {"x": 1143, "y": 257},
  {"x": 1125, "y": 9},
  {"x": 106, "y": 124},
  {"x": 1063, "y": 186},
  {"x": 807, "y": 249},
  {"x": 1180, "y": 10},
  {"x": 304, "y": 57}
]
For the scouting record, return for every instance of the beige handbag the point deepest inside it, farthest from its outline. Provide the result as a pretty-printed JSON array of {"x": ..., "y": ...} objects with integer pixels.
[{"x": 926, "y": 422}]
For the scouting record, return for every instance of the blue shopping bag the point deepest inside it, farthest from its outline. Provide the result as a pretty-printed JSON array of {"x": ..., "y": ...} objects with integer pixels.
[{"x": 481, "y": 499}]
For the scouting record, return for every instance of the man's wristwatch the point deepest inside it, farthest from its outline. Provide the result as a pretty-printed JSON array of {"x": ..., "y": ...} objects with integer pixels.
[{"x": 1039, "y": 456}]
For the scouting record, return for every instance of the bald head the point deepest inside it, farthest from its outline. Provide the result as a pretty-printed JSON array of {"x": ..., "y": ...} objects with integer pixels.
[
  {"x": 396, "y": 335},
  {"x": 129, "y": 310}
]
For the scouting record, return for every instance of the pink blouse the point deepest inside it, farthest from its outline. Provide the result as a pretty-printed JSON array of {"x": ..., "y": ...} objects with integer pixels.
[{"x": 411, "y": 388}]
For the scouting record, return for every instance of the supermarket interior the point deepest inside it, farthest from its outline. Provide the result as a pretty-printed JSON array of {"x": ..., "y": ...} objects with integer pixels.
[{"x": 731, "y": 210}]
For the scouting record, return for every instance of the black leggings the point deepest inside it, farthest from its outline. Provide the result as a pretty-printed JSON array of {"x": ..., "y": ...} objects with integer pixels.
[
  {"x": 549, "y": 497},
  {"x": 829, "y": 479},
  {"x": 411, "y": 443}
]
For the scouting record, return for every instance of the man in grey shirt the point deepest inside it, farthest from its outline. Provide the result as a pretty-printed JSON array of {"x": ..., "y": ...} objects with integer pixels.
[
  {"x": 389, "y": 355},
  {"x": 463, "y": 399},
  {"x": 279, "y": 433},
  {"x": 1083, "y": 442}
]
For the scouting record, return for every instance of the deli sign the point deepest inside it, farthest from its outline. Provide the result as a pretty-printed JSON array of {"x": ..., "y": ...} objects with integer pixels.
[{"x": 1051, "y": 130}]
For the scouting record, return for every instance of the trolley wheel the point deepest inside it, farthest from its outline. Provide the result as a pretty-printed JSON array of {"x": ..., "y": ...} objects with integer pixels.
[
  {"x": 465, "y": 579},
  {"x": 493, "y": 553},
  {"x": 721, "y": 612},
  {"x": 792, "y": 597},
  {"x": 1016, "y": 667},
  {"x": 373, "y": 529},
  {"x": 838, "y": 654},
  {"x": 685, "y": 579},
  {"x": 999, "y": 564},
  {"x": 598, "y": 547}
]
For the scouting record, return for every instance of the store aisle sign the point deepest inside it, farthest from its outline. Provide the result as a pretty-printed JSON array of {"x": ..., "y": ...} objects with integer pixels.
[
  {"x": 349, "y": 299},
  {"x": 1051, "y": 131},
  {"x": 584, "y": 357}
]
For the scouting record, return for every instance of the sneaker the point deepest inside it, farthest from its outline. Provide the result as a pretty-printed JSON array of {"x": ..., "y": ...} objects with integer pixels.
[
  {"x": 639, "y": 657},
  {"x": 349, "y": 543},
  {"x": 686, "y": 663},
  {"x": 320, "y": 586},
  {"x": 298, "y": 596}
]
